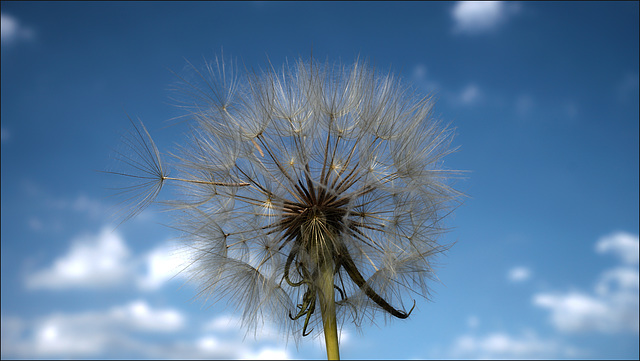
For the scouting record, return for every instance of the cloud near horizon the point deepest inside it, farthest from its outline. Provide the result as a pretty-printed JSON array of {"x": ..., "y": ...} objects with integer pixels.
[
  {"x": 124, "y": 330},
  {"x": 613, "y": 305},
  {"x": 611, "y": 308},
  {"x": 85, "y": 333},
  {"x": 101, "y": 261},
  {"x": 504, "y": 346}
]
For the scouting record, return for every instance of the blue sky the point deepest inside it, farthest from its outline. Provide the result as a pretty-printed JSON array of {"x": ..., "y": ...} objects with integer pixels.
[{"x": 544, "y": 97}]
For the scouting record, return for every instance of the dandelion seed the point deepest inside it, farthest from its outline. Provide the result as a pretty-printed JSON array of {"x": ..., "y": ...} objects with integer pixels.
[{"x": 313, "y": 195}]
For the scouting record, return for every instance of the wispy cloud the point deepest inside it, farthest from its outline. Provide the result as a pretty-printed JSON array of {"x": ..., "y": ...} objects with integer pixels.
[
  {"x": 613, "y": 304},
  {"x": 519, "y": 274},
  {"x": 13, "y": 31},
  {"x": 470, "y": 94},
  {"x": 420, "y": 76},
  {"x": 57, "y": 211},
  {"x": 475, "y": 17},
  {"x": 503, "y": 345},
  {"x": 5, "y": 135},
  {"x": 524, "y": 104},
  {"x": 35, "y": 223},
  {"x": 54, "y": 208},
  {"x": 627, "y": 88},
  {"x": 81, "y": 204},
  {"x": 473, "y": 321}
]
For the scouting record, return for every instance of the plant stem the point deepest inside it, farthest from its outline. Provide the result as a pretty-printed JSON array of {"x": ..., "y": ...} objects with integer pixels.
[{"x": 328, "y": 309}]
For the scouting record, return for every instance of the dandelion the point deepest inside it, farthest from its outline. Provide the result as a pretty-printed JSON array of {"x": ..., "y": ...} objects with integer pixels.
[{"x": 311, "y": 195}]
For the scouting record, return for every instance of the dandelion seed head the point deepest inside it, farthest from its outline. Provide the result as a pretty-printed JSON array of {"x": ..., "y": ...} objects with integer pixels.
[{"x": 290, "y": 171}]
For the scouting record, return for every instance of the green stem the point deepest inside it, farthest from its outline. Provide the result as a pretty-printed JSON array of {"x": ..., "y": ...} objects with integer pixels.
[{"x": 328, "y": 309}]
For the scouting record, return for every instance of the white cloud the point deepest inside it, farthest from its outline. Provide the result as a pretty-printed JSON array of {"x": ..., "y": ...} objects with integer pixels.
[
  {"x": 470, "y": 94},
  {"x": 616, "y": 279},
  {"x": 224, "y": 323},
  {"x": 622, "y": 244},
  {"x": 519, "y": 274},
  {"x": 613, "y": 304},
  {"x": 210, "y": 347},
  {"x": 94, "y": 261},
  {"x": 126, "y": 331},
  {"x": 87, "y": 333},
  {"x": 139, "y": 315},
  {"x": 219, "y": 346},
  {"x": 267, "y": 353},
  {"x": 473, "y": 17},
  {"x": 420, "y": 77},
  {"x": 574, "y": 311},
  {"x": 230, "y": 343},
  {"x": 231, "y": 325},
  {"x": 103, "y": 260},
  {"x": 608, "y": 310},
  {"x": 81, "y": 204},
  {"x": 502, "y": 345},
  {"x": 229, "y": 328},
  {"x": 163, "y": 263},
  {"x": 13, "y": 31}
]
